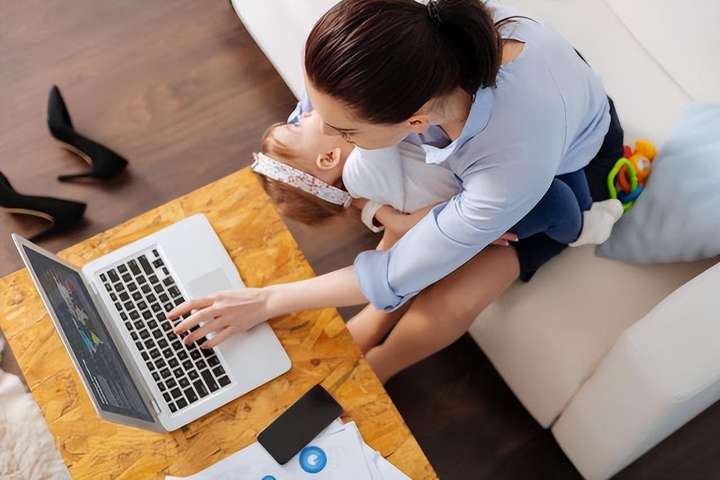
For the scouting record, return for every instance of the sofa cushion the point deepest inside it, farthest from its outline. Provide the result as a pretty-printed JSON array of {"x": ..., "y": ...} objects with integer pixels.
[
  {"x": 546, "y": 337},
  {"x": 690, "y": 57},
  {"x": 676, "y": 217}
]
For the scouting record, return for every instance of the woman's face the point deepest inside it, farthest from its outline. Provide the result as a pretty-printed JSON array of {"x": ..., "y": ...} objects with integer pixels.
[{"x": 336, "y": 120}]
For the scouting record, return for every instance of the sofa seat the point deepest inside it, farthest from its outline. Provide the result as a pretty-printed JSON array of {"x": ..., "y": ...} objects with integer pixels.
[{"x": 547, "y": 336}]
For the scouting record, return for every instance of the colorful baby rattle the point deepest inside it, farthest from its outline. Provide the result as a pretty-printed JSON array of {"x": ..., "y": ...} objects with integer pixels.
[{"x": 628, "y": 177}]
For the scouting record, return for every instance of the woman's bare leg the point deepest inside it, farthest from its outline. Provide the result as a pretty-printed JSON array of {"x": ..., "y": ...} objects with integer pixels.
[
  {"x": 370, "y": 326},
  {"x": 444, "y": 311}
]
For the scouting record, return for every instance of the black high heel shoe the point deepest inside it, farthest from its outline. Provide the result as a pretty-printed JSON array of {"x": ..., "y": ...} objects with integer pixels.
[
  {"x": 62, "y": 214},
  {"x": 104, "y": 162}
]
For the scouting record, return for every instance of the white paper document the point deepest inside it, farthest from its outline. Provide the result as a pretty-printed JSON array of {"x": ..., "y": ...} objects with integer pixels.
[{"x": 337, "y": 453}]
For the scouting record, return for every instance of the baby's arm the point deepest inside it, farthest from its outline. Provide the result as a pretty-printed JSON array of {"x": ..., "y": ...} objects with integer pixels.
[
  {"x": 394, "y": 221},
  {"x": 388, "y": 240},
  {"x": 397, "y": 222}
]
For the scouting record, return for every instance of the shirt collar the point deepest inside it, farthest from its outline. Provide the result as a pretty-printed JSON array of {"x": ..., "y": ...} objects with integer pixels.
[{"x": 477, "y": 120}]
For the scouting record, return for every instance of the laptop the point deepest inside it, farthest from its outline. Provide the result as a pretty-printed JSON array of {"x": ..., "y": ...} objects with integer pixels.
[{"x": 111, "y": 317}]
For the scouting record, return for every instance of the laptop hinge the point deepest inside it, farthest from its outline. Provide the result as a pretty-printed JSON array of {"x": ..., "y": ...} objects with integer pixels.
[
  {"x": 125, "y": 353},
  {"x": 155, "y": 406},
  {"x": 92, "y": 286}
]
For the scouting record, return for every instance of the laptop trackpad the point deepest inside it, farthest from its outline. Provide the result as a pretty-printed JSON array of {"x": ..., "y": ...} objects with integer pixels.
[{"x": 211, "y": 282}]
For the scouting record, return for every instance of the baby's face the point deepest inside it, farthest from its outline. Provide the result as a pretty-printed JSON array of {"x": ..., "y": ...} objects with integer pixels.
[{"x": 307, "y": 138}]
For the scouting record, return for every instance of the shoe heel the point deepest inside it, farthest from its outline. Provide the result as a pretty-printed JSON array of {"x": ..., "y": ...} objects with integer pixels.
[
  {"x": 105, "y": 162},
  {"x": 44, "y": 233},
  {"x": 61, "y": 213}
]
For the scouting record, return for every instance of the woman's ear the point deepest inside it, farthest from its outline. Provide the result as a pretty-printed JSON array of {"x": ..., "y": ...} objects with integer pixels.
[{"x": 329, "y": 160}]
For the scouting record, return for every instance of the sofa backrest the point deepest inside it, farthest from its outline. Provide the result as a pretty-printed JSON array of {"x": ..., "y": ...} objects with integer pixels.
[
  {"x": 654, "y": 55},
  {"x": 683, "y": 37}
]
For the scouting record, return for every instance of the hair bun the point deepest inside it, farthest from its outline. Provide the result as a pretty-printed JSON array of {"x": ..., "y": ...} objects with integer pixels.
[{"x": 434, "y": 12}]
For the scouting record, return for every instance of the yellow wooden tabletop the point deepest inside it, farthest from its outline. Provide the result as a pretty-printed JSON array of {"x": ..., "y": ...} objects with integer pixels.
[{"x": 318, "y": 343}]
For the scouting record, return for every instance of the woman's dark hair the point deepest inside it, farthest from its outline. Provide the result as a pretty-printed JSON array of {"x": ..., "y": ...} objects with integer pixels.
[{"x": 385, "y": 59}]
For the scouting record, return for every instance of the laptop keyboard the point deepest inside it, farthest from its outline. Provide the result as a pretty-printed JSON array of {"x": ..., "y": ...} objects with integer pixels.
[{"x": 143, "y": 291}]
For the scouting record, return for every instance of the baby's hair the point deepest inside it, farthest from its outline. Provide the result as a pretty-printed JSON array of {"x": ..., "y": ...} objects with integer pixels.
[{"x": 292, "y": 202}]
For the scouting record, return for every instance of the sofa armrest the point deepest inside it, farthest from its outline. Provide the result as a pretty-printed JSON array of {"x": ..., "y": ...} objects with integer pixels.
[{"x": 663, "y": 371}]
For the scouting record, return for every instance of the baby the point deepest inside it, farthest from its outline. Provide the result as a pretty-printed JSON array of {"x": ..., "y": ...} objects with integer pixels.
[
  {"x": 312, "y": 176},
  {"x": 396, "y": 182}
]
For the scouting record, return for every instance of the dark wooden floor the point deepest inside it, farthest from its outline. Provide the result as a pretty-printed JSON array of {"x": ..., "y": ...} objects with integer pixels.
[{"x": 182, "y": 91}]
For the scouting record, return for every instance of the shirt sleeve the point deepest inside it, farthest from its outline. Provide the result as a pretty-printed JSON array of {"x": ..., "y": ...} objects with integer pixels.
[
  {"x": 494, "y": 198},
  {"x": 303, "y": 106}
]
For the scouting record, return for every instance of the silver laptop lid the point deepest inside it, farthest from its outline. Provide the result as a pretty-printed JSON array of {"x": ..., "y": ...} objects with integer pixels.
[{"x": 107, "y": 378}]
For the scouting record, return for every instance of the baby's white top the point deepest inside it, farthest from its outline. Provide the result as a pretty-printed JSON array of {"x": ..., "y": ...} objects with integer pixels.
[{"x": 398, "y": 176}]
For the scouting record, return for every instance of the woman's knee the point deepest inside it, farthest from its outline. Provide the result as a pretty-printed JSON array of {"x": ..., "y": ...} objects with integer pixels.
[{"x": 463, "y": 295}]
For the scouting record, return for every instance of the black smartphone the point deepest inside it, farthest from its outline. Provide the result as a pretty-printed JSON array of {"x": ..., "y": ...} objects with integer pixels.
[{"x": 299, "y": 424}]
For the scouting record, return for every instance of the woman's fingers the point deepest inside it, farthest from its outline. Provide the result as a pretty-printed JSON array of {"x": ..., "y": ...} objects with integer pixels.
[
  {"x": 189, "y": 306},
  {"x": 237, "y": 310},
  {"x": 217, "y": 339},
  {"x": 213, "y": 325},
  {"x": 204, "y": 315}
]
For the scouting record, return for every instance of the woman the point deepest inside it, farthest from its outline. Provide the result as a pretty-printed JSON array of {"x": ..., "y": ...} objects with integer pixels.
[{"x": 502, "y": 101}]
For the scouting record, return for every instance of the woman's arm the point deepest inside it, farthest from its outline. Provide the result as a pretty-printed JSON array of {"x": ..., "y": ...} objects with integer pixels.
[
  {"x": 239, "y": 310},
  {"x": 335, "y": 289},
  {"x": 242, "y": 309},
  {"x": 227, "y": 312},
  {"x": 230, "y": 311},
  {"x": 495, "y": 196}
]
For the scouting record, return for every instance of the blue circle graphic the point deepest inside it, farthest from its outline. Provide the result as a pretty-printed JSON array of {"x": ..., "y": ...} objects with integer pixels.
[
  {"x": 268, "y": 477},
  {"x": 313, "y": 459}
]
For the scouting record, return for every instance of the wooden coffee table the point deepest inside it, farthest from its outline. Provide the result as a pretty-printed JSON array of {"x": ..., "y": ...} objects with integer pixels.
[{"x": 318, "y": 343}]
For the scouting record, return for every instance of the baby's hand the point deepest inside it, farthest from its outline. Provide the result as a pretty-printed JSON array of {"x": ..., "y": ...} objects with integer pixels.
[
  {"x": 505, "y": 239},
  {"x": 400, "y": 223},
  {"x": 359, "y": 203}
]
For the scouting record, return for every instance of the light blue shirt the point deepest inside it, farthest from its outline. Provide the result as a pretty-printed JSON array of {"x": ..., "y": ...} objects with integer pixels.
[{"x": 548, "y": 115}]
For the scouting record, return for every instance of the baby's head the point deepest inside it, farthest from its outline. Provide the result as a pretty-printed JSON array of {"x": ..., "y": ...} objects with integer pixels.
[{"x": 304, "y": 147}]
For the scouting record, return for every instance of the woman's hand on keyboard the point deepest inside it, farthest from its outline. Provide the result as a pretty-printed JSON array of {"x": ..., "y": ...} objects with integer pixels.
[
  {"x": 231, "y": 311},
  {"x": 222, "y": 314}
]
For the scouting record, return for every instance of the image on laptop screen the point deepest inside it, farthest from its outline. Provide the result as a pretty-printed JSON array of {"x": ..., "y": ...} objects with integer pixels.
[{"x": 96, "y": 353}]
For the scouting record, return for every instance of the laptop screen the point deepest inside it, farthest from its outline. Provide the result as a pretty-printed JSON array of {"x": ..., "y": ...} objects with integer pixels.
[{"x": 96, "y": 353}]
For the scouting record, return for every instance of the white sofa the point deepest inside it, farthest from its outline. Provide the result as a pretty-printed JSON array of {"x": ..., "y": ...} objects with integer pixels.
[{"x": 578, "y": 345}]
